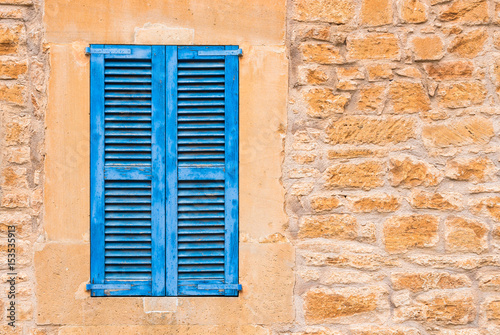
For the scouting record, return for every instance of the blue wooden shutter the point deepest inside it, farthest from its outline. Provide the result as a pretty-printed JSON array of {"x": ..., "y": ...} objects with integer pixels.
[
  {"x": 202, "y": 171},
  {"x": 127, "y": 170}
]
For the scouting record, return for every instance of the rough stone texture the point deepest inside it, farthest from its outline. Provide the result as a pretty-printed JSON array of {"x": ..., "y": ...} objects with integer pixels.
[
  {"x": 10, "y": 39},
  {"x": 366, "y": 175},
  {"x": 321, "y": 53},
  {"x": 425, "y": 281},
  {"x": 323, "y": 102},
  {"x": 333, "y": 11},
  {"x": 373, "y": 46},
  {"x": 466, "y": 11},
  {"x": 463, "y": 94},
  {"x": 402, "y": 233},
  {"x": 319, "y": 203},
  {"x": 382, "y": 203},
  {"x": 376, "y": 12},
  {"x": 460, "y": 132},
  {"x": 312, "y": 75},
  {"x": 465, "y": 235},
  {"x": 413, "y": 11},
  {"x": 378, "y": 72},
  {"x": 346, "y": 305},
  {"x": 486, "y": 207},
  {"x": 469, "y": 45},
  {"x": 445, "y": 201},
  {"x": 371, "y": 99},
  {"x": 441, "y": 307},
  {"x": 12, "y": 93},
  {"x": 361, "y": 130},
  {"x": 477, "y": 170},
  {"x": 409, "y": 172},
  {"x": 12, "y": 69},
  {"x": 489, "y": 281},
  {"x": 408, "y": 97},
  {"x": 428, "y": 48},
  {"x": 337, "y": 226},
  {"x": 450, "y": 70}
]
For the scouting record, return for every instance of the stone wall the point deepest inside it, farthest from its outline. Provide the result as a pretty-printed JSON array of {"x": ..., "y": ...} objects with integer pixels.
[
  {"x": 391, "y": 166},
  {"x": 23, "y": 68}
]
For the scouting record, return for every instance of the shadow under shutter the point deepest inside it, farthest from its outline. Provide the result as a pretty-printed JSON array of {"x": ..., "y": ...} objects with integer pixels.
[
  {"x": 127, "y": 170},
  {"x": 202, "y": 133}
]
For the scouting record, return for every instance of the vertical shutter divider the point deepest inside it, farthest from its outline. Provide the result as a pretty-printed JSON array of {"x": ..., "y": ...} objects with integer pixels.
[
  {"x": 231, "y": 170},
  {"x": 97, "y": 171},
  {"x": 171, "y": 171},
  {"x": 158, "y": 171}
]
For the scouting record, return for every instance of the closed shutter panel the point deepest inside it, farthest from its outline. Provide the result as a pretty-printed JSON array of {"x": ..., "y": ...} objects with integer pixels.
[
  {"x": 202, "y": 213},
  {"x": 128, "y": 171}
]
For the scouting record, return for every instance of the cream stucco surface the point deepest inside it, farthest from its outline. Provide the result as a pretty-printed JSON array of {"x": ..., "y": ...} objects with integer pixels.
[{"x": 266, "y": 256}]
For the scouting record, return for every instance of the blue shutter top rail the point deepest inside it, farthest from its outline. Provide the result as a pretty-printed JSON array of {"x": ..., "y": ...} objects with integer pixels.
[
  {"x": 90, "y": 50},
  {"x": 237, "y": 52}
]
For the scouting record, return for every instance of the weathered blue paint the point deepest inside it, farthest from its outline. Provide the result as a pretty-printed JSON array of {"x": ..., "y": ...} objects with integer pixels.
[
  {"x": 232, "y": 173},
  {"x": 171, "y": 179},
  {"x": 94, "y": 50},
  {"x": 220, "y": 287},
  {"x": 228, "y": 52},
  {"x": 158, "y": 172},
  {"x": 97, "y": 170},
  {"x": 127, "y": 172},
  {"x": 201, "y": 173}
]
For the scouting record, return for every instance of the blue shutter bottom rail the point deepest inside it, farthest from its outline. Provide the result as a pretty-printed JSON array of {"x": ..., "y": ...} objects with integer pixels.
[
  {"x": 237, "y": 287},
  {"x": 113, "y": 287}
]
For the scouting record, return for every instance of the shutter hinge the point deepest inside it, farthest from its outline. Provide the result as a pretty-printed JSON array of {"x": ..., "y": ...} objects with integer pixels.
[
  {"x": 112, "y": 287},
  {"x": 89, "y": 51},
  {"x": 238, "y": 52},
  {"x": 219, "y": 287}
]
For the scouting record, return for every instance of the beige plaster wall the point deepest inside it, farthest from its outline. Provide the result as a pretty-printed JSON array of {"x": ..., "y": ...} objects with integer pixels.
[{"x": 266, "y": 255}]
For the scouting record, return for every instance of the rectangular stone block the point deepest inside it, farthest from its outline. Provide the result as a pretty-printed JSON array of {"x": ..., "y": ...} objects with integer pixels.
[
  {"x": 10, "y": 38},
  {"x": 373, "y": 46},
  {"x": 347, "y": 305},
  {"x": 336, "y": 226},
  {"x": 366, "y": 175},
  {"x": 369, "y": 130},
  {"x": 405, "y": 232}
]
